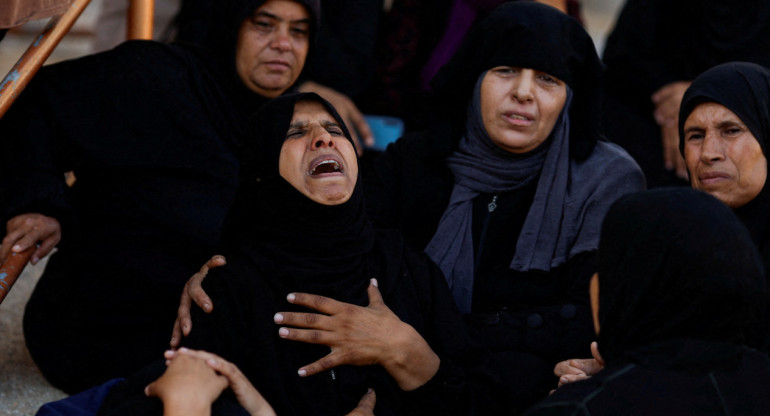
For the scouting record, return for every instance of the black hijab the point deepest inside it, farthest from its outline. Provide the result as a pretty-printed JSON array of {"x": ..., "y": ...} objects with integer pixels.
[
  {"x": 528, "y": 35},
  {"x": 676, "y": 264},
  {"x": 214, "y": 27},
  {"x": 744, "y": 88},
  {"x": 565, "y": 215},
  {"x": 300, "y": 243}
]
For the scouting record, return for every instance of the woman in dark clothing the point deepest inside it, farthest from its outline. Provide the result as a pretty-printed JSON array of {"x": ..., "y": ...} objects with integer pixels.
[
  {"x": 742, "y": 90},
  {"x": 680, "y": 287},
  {"x": 306, "y": 230},
  {"x": 153, "y": 134},
  {"x": 724, "y": 123},
  {"x": 656, "y": 49},
  {"x": 506, "y": 193},
  {"x": 513, "y": 230}
]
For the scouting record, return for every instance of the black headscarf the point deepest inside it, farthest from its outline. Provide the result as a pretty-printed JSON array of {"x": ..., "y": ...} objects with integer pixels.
[
  {"x": 569, "y": 203},
  {"x": 215, "y": 26},
  {"x": 299, "y": 242},
  {"x": 528, "y": 35},
  {"x": 674, "y": 264},
  {"x": 744, "y": 88}
]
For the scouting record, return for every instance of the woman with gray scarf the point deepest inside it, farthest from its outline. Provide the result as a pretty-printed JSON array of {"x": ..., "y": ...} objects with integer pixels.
[{"x": 506, "y": 193}]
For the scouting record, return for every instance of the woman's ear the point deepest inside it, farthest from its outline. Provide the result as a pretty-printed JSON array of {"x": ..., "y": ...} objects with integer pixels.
[{"x": 593, "y": 292}]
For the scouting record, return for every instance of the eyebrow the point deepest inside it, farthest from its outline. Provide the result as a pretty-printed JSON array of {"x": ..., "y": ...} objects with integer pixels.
[
  {"x": 721, "y": 125},
  {"x": 693, "y": 129},
  {"x": 304, "y": 123},
  {"x": 729, "y": 123},
  {"x": 275, "y": 17}
]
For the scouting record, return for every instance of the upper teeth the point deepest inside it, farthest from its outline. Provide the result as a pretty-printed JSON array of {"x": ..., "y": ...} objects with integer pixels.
[
  {"x": 518, "y": 117},
  {"x": 325, "y": 162}
]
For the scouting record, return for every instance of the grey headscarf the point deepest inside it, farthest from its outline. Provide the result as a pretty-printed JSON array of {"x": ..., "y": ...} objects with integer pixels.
[
  {"x": 564, "y": 218},
  {"x": 480, "y": 166}
]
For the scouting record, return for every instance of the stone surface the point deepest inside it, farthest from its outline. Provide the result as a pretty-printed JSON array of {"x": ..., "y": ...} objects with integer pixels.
[{"x": 22, "y": 388}]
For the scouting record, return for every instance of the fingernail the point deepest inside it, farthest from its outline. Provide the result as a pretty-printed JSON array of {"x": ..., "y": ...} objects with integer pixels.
[
  {"x": 184, "y": 327},
  {"x": 146, "y": 390},
  {"x": 206, "y": 307},
  {"x": 212, "y": 361},
  {"x": 374, "y": 282},
  {"x": 283, "y": 332},
  {"x": 16, "y": 248},
  {"x": 302, "y": 373},
  {"x": 369, "y": 390},
  {"x": 278, "y": 318},
  {"x": 183, "y": 349},
  {"x": 291, "y": 297},
  {"x": 169, "y": 353}
]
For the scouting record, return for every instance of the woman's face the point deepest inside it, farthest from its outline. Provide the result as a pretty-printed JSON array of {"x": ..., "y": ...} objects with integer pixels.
[
  {"x": 316, "y": 158},
  {"x": 723, "y": 156},
  {"x": 520, "y": 106},
  {"x": 272, "y": 47}
]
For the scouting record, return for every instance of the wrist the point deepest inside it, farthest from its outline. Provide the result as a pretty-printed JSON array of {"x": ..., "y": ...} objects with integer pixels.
[
  {"x": 186, "y": 407},
  {"x": 412, "y": 362}
]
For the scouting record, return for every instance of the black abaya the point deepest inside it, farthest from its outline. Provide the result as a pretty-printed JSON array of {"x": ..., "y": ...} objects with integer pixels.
[
  {"x": 281, "y": 242},
  {"x": 153, "y": 134},
  {"x": 681, "y": 290}
]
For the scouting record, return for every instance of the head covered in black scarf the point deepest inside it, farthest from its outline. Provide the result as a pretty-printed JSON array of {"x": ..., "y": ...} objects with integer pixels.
[
  {"x": 525, "y": 35},
  {"x": 528, "y": 35},
  {"x": 744, "y": 88},
  {"x": 303, "y": 244},
  {"x": 215, "y": 26},
  {"x": 675, "y": 263}
]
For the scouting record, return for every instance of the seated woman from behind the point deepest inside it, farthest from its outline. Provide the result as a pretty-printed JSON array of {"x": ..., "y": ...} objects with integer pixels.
[
  {"x": 724, "y": 126},
  {"x": 299, "y": 226},
  {"x": 676, "y": 300}
]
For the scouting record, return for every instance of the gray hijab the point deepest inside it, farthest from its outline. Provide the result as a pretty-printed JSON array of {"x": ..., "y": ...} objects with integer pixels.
[{"x": 552, "y": 231}]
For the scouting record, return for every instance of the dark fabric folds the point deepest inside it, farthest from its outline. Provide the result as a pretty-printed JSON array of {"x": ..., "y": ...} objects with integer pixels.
[
  {"x": 681, "y": 294},
  {"x": 676, "y": 264},
  {"x": 154, "y": 135}
]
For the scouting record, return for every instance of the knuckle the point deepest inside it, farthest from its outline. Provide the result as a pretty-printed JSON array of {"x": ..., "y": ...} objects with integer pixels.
[
  {"x": 311, "y": 319},
  {"x": 326, "y": 363},
  {"x": 320, "y": 301},
  {"x": 314, "y": 336}
]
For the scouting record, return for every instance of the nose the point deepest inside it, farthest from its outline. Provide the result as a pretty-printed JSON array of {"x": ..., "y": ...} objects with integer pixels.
[
  {"x": 712, "y": 149},
  {"x": 320, "y": 138},
  {"x": 281, "y": 40},
  {"x": 523, "y": 84}
]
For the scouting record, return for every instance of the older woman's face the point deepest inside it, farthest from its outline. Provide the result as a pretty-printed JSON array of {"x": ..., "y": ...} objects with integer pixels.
[
  {"x": 316, "y": 158},
  {"x": 520, "y": 106},
  {"x": 272, "y": 47},
  {"x": 723, "y": 156}
]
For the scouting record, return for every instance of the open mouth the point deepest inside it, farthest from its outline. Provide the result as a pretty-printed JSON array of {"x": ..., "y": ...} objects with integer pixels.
[{"x": 325, "y": 166}]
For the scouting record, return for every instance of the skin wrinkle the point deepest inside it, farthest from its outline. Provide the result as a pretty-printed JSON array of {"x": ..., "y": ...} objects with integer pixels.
[
  {"x": 535, "y": 94},
  {"x": 313, "y": 133},
  {"x": 272, "y": 47},
  {"x": 717, "y": 142}
]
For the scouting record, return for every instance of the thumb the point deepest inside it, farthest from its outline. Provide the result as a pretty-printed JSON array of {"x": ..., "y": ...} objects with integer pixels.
[
  {"x": 595, "y": 353},
  {"x": 375, "y": 298}
]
